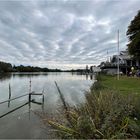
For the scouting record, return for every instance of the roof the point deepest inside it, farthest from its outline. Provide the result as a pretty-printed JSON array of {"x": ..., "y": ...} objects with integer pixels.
[{"x": 124, "y": 55}]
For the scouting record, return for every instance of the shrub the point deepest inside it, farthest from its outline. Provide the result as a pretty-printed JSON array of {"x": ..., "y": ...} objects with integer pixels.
[{"x": 105, "y": 114}]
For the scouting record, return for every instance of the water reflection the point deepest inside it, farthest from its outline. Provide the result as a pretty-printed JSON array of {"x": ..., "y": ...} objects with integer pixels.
[
  {"x": 72, "y": 86},
  {"x": 5, "y": 76},
  {"x": 89, "y": 77},
  {"x": 26, "y": 74}
]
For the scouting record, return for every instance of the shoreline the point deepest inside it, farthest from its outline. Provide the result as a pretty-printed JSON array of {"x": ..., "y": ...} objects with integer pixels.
[{"x": 107, "y": 113}]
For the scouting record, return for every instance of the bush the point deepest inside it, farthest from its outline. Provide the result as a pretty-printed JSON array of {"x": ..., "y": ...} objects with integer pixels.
[
  {"x": 105, "y": 114},
  {"x": 96, "y": 86}
]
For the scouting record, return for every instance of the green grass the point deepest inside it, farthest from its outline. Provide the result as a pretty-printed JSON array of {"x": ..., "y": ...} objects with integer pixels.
[{"x": 123, "y": 85}]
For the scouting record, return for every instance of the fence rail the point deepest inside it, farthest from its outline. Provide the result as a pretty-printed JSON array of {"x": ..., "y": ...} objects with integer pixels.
[
  {"x": 13, "y": 98},
  {"x": 13, "y": 110},
  {"x": 29, "y": 101}
]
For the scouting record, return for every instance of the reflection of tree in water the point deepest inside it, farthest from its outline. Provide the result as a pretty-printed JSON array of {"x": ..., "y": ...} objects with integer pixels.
[
  {"x": 34, "y": 74},
  {"x": 5, "y": 76}
]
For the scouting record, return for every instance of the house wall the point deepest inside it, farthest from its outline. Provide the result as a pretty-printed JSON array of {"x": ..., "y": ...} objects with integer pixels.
[
  {"x": 111, "y": 71},
  {"x": 137, "y": 63}
]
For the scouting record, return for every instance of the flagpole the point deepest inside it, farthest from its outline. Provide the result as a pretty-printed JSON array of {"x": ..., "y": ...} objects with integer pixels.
[
  {"x": 107, "y": 56},
  {"x": 118, "y": 67}
]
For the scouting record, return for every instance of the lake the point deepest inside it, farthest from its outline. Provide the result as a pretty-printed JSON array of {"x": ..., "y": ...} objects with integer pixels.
[{"x": 23, "y": 123}]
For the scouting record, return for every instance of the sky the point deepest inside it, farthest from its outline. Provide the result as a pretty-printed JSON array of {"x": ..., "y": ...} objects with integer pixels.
[{"x": 64, "y": 34}]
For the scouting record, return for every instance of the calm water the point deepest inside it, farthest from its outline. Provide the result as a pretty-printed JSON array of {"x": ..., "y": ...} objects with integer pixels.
[{"x": 24, "y": 123}]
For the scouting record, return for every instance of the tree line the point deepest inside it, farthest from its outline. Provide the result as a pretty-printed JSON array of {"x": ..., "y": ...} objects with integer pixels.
[{"x": 7, "y": 67}]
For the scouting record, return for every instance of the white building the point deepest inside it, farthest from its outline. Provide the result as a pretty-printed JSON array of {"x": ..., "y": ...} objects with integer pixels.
[{"x": 126, "y": 61}]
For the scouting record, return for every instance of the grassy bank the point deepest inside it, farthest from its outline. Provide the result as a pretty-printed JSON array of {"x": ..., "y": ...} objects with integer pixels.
[
  {"x": 124, "y": 85},
  {"x": 111, "y": 111}
]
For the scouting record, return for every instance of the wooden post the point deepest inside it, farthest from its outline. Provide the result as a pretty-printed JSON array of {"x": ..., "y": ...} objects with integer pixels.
[
  {"x": 9, "y": 91},
  {"x": 13, "y": 110},
  {"x": 42, "y": 102},
  {"x": 29, "y": 104},
  {"x": 9, "y": 95},
  {"x": 43, "y": 99},
  {"x": 30, "y": 85},
  {"x": 29, "y": 97}
]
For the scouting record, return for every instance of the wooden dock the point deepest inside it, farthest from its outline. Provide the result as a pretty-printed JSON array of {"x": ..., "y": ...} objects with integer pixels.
[{"x": 30, "y": 100}]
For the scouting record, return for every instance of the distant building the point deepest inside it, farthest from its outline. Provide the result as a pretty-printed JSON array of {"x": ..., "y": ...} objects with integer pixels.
[
  {"x": 94, "y": 69},
  {"x": 126, "y": 61},
  {"x": 86, "y": 67}
]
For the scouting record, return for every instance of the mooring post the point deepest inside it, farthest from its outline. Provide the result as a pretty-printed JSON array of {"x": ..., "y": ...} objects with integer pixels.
[
  {"x": 42, "y": 102},
  {"x": 9, "y": 95},
  {"x": 9, "y": 91},
  {"x": 29, "y": 104},
  {"x": 43, "y": 99},
  {"x": 30, "y": 85},
  {"x": 29, "y": 97}
]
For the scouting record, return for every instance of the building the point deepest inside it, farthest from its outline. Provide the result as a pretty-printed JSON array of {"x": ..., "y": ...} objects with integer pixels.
[
  {"x": 126, "y": 62},
  {"x": 94, "y": 69}
]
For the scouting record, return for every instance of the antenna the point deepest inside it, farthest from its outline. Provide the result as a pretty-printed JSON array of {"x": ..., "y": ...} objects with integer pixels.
[{"x": 107, "y": 56}]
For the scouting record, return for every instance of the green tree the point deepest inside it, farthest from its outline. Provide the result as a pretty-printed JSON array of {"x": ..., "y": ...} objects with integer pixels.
[
  {"x": 133, "y": 34},
  {"x": 5, "y": 67}
]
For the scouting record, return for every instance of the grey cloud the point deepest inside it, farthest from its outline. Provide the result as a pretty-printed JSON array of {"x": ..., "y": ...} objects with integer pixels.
[{"x": 63, "y": 33}]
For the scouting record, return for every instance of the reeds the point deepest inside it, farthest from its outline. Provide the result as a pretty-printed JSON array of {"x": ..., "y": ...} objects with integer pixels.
[{"x": 106, "y": 114}]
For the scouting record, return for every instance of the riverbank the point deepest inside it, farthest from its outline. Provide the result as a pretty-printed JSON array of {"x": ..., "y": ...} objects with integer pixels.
[
  {"x": 111, "y": 111},
  {"x": 124, "y": 85}
]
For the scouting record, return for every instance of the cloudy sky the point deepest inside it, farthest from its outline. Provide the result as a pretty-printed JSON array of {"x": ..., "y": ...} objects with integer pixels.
[{"x": 63, "y": 33}]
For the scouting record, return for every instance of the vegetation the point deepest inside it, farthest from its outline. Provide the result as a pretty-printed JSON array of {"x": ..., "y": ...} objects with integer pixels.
[
  {"x": 133, "y": 34},
  {"x": 125, "y": 85},
  {"x": 5, "y": 67},
  {"x": 105, "y": 114},
  {"x": 22, "y": 68}
]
